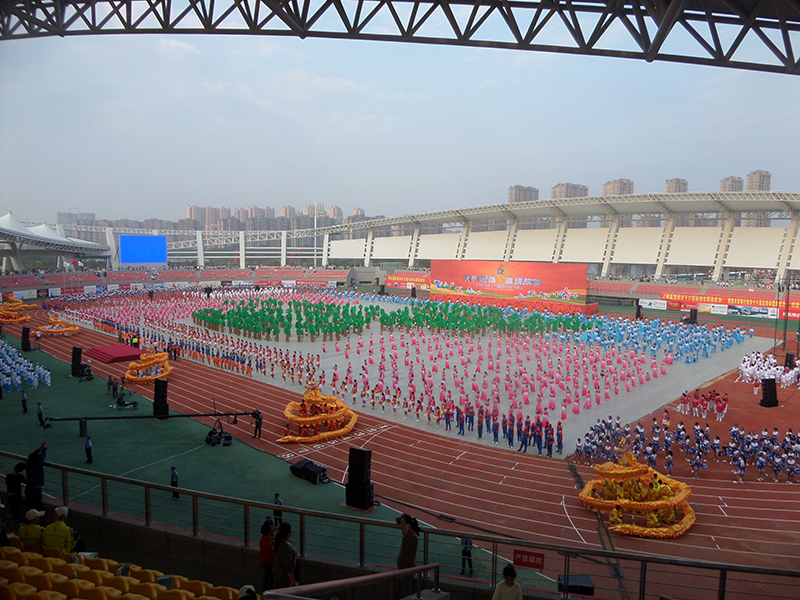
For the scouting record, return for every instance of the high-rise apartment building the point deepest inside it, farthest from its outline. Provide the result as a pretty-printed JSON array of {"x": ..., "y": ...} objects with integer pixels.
[
  {"x": 212, "y": 217},
  {"x": 676, "y": 186},
  {"x": 241, "y": 215},
  {"x": 731, "y": 184},
  {"x": 224, "y": 212},
  {"x": 255, "y": 212},
  {"x": 759, "y": 181},
  {"x": 522, "y": 193},
  {"x": 269, "y": 212},
  {"x": 618, "y": 187},
  {"x": 288, "y": 212},
  {"x": 309, "y": 210},
  {"x": 569, "y": 190},
  {"x": 359, "y": 212},
  {"x": 336, "y": 213}
]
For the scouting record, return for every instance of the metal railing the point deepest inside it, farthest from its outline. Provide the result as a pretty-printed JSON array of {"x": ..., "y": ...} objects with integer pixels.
[
  {"x": 365, "y": 541},
  {"x": 351, "y": 583}
]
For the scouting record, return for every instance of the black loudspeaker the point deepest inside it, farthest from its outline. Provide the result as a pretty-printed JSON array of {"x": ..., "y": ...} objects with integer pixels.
[
  {"x": 789, "y": 362},
  {"x": 383, "y": 289},
  {"x": 638, "y": 311},
  {"x": 160, "y": 404},
  {"x": 769, "y": 393},
  {"x": 26, "y": 339},
  {"x": 413, "y": 292},
  {"x": 207, "y": 291},
  {"x": 76, "y": 361},
  {"x": 576, "y": 584},
  {"x": 692, "y": 316},
  {"x": 150, "y": 294},
  {"x": 359, "y": 466},
  {"x": 309, "y": 470},
  {"x": 359, "y": 496},
  {"x": 256, "y": 287}
]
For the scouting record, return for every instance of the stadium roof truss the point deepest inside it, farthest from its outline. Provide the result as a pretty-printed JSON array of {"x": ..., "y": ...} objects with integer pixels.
[{"x": 757, "y": 35}]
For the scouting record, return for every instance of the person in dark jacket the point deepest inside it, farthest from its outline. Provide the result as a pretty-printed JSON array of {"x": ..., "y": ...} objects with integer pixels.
[{"x": 35, "y": 470}]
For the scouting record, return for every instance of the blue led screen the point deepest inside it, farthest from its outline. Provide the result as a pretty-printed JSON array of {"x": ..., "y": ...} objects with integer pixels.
[{"x": 142, "y": 249}]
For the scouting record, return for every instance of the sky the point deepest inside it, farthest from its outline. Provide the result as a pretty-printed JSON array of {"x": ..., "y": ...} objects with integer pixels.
[{"x": 139, "y": 126}]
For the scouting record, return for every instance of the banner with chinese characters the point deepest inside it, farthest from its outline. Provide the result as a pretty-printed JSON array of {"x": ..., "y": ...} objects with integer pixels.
[
  {"x": 734, "y": 306},
  {"x": 405, "y": 280},
  {"x": 535, "y": 286},
  {"x": 527, "y": 558}
]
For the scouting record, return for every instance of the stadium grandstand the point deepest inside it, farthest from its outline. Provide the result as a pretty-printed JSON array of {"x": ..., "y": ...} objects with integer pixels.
[{"x": 683, "y": 236}]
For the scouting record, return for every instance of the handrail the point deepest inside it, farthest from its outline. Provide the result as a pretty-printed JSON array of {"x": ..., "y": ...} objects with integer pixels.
[
  {"x": 325, "y": 587},
  {"x": 491, "y": 541}
]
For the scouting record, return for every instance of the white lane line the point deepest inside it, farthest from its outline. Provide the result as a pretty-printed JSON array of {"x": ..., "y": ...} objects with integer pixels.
[
  {"x": 570, "y": 520},
  {"x": 715, "y": 543},
  {"x": 723, "y": 512},
  {"x": 457, "y": 457}
]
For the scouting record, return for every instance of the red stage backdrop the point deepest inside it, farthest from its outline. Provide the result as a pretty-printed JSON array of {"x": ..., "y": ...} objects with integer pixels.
[{"x": 535, "y": 286}]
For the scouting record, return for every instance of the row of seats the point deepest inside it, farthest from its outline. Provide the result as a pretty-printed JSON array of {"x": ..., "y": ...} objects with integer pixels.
[{"x": 30, "y": 575}]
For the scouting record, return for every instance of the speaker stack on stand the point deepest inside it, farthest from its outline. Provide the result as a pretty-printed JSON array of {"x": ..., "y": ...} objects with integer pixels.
[
  {"x": 160, "y": 404},
  {"x": 77, "y": 368},
  {"x": 26, "y": 339},
  {"x": 769, "y": 393},
  {"x": 359, "y": 493}
]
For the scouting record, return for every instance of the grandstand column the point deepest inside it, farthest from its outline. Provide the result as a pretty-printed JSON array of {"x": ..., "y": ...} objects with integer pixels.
[
  {"x": 610, "y": 241},
  {"x": 111, "y": 243},
  {"x": 368, "y": 246},
  {"x": 666, "y": 235},
  {"x": 512, "y": 233},
  {"x": 788, "y": 247},
  {"x": 412, "y": 251},
  {"x": 462, "y": 241},
  {"x": 724, "y": 242},
  {"x": 201, "y": 259},
  {"x": 326, "y": 242},
  {"x": 242, "y": 257},
  {"x": 284, "y": 237},
  {"x": 562, "y": 232}
]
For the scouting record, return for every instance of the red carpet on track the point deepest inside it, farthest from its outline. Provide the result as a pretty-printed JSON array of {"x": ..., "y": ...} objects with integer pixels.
[{"x": 116, "y": 353}]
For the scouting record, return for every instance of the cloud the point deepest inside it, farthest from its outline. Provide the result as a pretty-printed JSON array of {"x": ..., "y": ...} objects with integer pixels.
[
  {"x": 173, "y": 46},
  {"x": 302, "y": 85},
  {"x": 321, "y": 127}
]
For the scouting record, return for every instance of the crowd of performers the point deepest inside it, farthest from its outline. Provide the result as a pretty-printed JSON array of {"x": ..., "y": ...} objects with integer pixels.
[
  {"x": 637, "y": 491},
  {"x": 16, "y": 370},
  {"x": 426, "y": 362},
  {"x": 771, "y": 455},
  {"x": 757, "y": 366}
]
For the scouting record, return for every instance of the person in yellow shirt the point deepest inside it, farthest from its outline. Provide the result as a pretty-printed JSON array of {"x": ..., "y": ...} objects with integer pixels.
[
  {"x": 30, "y": 534},
  {"x": 615, "y": 518},
  {"x": 58, "y": 534}
]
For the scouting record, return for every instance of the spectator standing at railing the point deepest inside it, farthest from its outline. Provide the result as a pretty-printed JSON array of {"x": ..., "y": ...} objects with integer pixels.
[
  {"x": 267, "y": 554},
  {"x": 508, "y": 589},
  {"x": 285, "y": 558}
]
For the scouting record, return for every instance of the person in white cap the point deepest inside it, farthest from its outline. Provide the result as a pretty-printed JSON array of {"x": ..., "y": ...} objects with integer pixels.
[
  {"x": 248, "y": 592},
  {"x": 58, "y": 534},
  {"x": 31, "y": 532}
]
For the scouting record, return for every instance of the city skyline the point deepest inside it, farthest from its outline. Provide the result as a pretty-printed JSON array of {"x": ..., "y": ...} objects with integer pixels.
[
  {"x": 208, "y": 217},
  {"x": 148, "y": 124}
]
